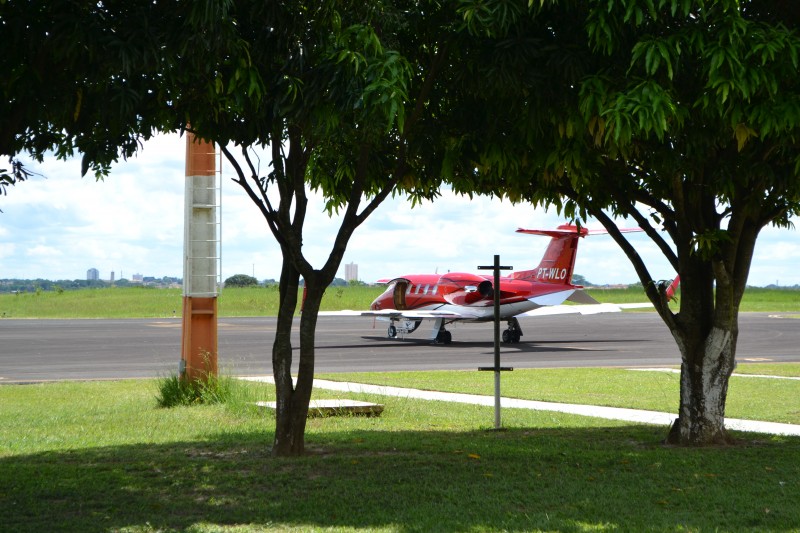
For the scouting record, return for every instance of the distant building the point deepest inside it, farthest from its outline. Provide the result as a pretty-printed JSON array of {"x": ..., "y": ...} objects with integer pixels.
[
  {"x": 137, "y": 278},
  {"x": 92, "y": 274},
  {"x": 112, "y": 277},
  {"x": 351, "y": 272}
]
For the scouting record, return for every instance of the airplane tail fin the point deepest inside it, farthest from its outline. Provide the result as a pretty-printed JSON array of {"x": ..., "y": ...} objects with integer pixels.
[
  {"x": 559, "y": 259},
  {"x": 670, "y": 291}
]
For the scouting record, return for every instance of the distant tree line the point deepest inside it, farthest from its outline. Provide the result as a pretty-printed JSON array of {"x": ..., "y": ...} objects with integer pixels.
[
  {"x": 244, "y": 280},
  {"x": 39, "y": 284}
]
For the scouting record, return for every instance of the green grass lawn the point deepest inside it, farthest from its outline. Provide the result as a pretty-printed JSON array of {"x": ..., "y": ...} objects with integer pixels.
[
  {"x": 101, "y": 456},
  {"x": 774, "y": 400},
  {"x": 140, "y": 302}
]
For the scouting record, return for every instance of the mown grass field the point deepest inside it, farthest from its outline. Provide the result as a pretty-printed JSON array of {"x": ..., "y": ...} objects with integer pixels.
[
  {"x": 138, "y": 302},
  {"x": 774, "y": 400},
  {"x": 101, "y": 456}
]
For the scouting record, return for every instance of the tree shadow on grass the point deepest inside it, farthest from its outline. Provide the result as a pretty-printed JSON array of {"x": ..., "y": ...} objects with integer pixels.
[{"x": 573, "y": 479}]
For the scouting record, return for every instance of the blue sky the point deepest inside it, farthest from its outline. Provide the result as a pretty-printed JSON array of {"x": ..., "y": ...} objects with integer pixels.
[{"x": 58, "y": 225}]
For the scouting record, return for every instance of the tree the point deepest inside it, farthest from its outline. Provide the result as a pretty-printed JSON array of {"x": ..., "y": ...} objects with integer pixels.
[
  {"x": 346, "y": 111},
  {"x": 241, "y": 280},
  {"x": 685, "y": 117},
  {"x": 96, "y": 77},
  {"x": 577, "y": 279},
  {"x": 16, "y": 173},
  {"x": 336, "y": 92}
]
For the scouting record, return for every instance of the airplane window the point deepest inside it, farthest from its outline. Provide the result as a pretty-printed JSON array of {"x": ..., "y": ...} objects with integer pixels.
[
  {"x": 426, "y": 289},
  {"x": 410, "y": 288},
  {"x": 434, "y": 289}
]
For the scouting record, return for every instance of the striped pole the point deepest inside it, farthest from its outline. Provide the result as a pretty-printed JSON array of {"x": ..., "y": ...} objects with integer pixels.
[{"x": 200, "y": 247}]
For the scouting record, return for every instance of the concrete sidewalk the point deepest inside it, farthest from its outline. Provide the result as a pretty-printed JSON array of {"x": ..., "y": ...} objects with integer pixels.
[{"x": 611, "y": 413}]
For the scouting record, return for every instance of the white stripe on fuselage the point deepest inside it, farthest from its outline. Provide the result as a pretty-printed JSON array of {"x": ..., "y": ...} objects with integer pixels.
[{"x": 486, "y": 313}]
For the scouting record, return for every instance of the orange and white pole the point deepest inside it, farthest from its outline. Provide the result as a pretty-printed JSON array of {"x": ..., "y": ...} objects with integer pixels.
[{"x": 201, "y": 259}]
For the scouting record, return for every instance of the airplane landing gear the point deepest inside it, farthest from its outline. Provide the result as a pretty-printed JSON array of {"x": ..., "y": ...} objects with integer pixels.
[
  {"x": 404, "y": 326},
  {"x": 439, "y": 334},
  {"x": 443, "y": 337},
  {"x": 513, "y": 333}
]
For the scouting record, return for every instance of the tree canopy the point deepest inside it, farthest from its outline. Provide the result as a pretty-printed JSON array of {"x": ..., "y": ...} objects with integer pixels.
[
  {"x": 683, "y": 116},
  {"x": 680, "y": 114},
  {"x": 346, "y": 109},
  {"x": 241, "y": 280},
  {"x": 98, "y": 78},
  {"x": 337, "y": 93}
]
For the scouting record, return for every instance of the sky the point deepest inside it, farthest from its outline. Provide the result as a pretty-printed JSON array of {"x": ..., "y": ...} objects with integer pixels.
[{"x": 58, "y": 225}]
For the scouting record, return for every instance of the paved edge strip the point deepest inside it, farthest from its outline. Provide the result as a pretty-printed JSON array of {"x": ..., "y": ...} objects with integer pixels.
[
  {"x": 610, "y": 413},
  {"x": 677, "y": 371}
]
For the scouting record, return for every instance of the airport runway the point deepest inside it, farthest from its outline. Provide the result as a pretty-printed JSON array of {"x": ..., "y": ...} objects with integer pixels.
[{"x": 39, "y": 350}]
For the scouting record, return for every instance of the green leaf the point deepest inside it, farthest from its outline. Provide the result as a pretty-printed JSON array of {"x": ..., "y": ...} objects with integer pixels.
[{"x": 742, "y": 133}]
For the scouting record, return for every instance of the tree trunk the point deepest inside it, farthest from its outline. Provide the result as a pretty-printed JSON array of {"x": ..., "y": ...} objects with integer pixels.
[
  {"x": 707, "y": 364},
  {"x": 291, "y": 411},
  {"x": 292, "y": 399}
]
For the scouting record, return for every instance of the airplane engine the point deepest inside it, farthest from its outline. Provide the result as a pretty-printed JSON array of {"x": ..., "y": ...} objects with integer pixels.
[{"x": 465, "y": 289}]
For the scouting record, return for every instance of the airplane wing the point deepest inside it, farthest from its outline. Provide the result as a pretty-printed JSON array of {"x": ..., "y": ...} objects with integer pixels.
[
  {"x": 582, "y": 297},
  {"x": 394, "y": 313},
  {"x": 641, "y": 305},
  {"x": 588, "y": 309}
]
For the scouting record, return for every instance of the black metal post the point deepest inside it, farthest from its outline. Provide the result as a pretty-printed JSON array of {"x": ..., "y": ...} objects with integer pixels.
[{"x": 497, "y": 368}]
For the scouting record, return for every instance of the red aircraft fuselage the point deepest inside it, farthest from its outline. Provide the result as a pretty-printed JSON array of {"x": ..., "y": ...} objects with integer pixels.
[
  {"x": 458, "y": 296},
  {"x": 471, "y": 296}
]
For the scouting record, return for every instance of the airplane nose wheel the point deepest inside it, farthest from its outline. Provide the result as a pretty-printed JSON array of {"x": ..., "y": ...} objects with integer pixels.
[{"x": 392, "y": 332}]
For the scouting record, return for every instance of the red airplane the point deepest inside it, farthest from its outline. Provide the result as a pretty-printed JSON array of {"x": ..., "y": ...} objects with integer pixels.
[{"x": 457, "y": 296}]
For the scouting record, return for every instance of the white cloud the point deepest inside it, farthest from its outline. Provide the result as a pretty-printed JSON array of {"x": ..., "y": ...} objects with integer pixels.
[
  {"x": 776, "y": 257},
  {"x": 7, "y": 249},
  {"x": 45, "y": 252},
  {"x": 60, "y": 225}
]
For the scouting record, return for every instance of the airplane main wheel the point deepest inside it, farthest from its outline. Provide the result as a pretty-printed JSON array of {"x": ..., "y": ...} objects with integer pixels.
[
  {"x": 392, "y": 332},
  {"x": 507, "y": 336},
  {"x": 511, "y": 337},
  {"x": 444, "y": 337}
]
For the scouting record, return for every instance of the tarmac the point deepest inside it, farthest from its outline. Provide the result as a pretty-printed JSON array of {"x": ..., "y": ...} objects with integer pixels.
[{"x": 610, "y": 413}]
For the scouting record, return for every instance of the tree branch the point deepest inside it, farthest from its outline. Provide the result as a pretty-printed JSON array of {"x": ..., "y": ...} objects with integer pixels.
[{"x": 656, "y": 296}]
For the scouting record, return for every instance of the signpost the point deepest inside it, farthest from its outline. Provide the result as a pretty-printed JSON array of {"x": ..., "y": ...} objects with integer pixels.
[{"x": 496, "y": 368}]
